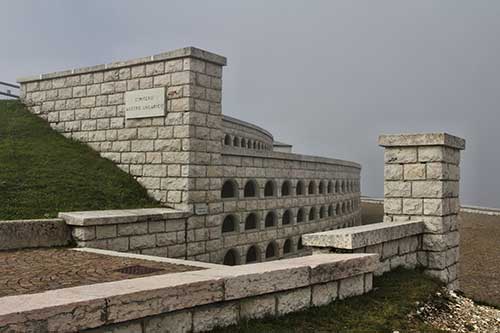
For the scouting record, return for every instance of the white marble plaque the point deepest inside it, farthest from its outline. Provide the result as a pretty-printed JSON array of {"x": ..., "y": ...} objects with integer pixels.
[
  {"x": 145, "y": 103},
  {"x": 201, "y": 209}
]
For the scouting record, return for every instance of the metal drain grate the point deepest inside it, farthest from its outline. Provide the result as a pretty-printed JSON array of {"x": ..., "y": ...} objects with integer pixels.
[{"x": 138, "y": 270}]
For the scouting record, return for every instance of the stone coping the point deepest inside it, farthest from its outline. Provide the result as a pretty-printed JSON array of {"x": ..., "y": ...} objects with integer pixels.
[
  {"x": 366, "y": 235},
  {"x": 372, "y": 200},
  {"x": 231, "y": 151},
  {"x": 83, "y": 307},
  {"x": 190, "y": 51},
  {"x": 480, "y": 210},
  {"x": 103, "y": 217},
  {"x": 429, "y": 139},
  {"x": 463, "y": 208},
  {"x": 247, "y": 124},
  {"x": 150, "y": 258}
]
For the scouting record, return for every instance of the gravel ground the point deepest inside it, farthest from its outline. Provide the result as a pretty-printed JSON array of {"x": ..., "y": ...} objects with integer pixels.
[{"x": 453, "y": 312}]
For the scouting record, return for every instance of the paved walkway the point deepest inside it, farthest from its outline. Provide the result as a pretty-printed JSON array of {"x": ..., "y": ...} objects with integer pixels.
[{"x": 34, "y": 271}]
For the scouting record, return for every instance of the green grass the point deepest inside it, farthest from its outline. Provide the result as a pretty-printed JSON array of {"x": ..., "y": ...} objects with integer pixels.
[
  {"x": 42, "y": 173},
  {"x": 385, "y": 309}
]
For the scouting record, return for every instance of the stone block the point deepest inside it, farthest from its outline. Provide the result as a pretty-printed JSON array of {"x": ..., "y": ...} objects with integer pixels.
[
  {"x": 105, "y": 231},
  {"x": 136, "y": 228},
  {"x": 452, "y": 256},
  {"x": 453, "y": 172},
  {"x": 173, "y": 322},
  {"x": 412, "y": 206},
  {"x": 393, "y": 206},
  {"x": 165, "y": 239},
  {"x": 411, "y": 261},
  {"x": 83, "y": 233},
  {"x": 263, "y": 279},
  {"x": 393, "y": 172},
  {"x": 324, "y": 293},
  {"x": 436, "y": 224},
  {"x": 156, "y": 226},
  {"x": 436, "y": 260},
  {"x": 428, "y": 189},
  {"x": 397, "y": 189},
  {"x": 368, "y": 282},
  {"x": 142, "y": 242},
  {"x": 400, "y": 155},
  {"x": 397, "y": 261},
  {"x": 414, "y": 171},
  {"x": 376, "y": 248},
  {"x": 436, "y": 207},
  {"x": 293, "y": 300},
  {"x": 434, "y": 242},
  {"x": 422, "y": 258},
  {"x": 33, "y": 233},
  {"x": 258, "y": 307},
  {"x": 352, "y": 286},
  {"x": 209, "y": 317},
  {"x": 389, "y": 249},
  {"x": 404, "y": 246},
  {"x": 437, "y": 171},
  {"x": 120, "y": 244}
]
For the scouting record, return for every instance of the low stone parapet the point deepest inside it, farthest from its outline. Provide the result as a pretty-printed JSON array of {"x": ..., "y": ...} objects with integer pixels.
[
  {"x": 193, "y": 301},
  {"x": 152, "y": 231},
  {"x": 19, "y": 234},
  {"x": 396, "y": 243}
]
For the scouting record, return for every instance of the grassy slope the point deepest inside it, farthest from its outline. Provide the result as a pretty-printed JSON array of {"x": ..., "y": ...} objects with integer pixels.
[
  {"x": 385, "y": 309},
  {"x": 43, "y": 173}
]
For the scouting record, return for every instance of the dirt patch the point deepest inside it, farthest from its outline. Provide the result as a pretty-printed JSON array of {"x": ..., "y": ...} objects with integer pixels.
[{"x": 479, "y": 269}]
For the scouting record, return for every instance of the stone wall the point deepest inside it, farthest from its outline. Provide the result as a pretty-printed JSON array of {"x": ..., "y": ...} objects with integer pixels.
[
  {"x": 396, "y": 243},
  {"x": 183, "y": 159},
  {"x": 22, "y": 234},
  {"x": 421, "y": 184},
  {"x": 166, "y": 154},
  {"x": 330, "y": 205},
  {"x": 192, "y": 301},
  {"x": 238, "y": 133},
  {"x": 154, "y": 231}
]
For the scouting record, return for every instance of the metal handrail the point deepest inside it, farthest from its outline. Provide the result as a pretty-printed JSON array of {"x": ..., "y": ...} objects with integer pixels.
[
  {"x": 9, "y": 93},
  {"x": 10, "y": 85}
]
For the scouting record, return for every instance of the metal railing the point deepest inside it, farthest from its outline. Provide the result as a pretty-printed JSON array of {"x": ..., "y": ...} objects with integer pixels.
[{"x": 8, "y": 92}]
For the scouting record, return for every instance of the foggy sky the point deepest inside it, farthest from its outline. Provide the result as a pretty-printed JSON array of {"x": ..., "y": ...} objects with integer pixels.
[{"x": 325, "y": 76}]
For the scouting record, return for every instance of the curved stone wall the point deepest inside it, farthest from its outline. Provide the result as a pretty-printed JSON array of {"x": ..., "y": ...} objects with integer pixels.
[
  {"x": 185, "y": 156},
  {"x": 308, "y": 194},
  {"x": 244, "y": 135}
]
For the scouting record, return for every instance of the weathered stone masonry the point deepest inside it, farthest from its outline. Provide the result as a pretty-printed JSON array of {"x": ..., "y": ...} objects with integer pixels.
[
  {"x": 421, "y": 182},
  {"x": 421, "y": 205},
  {"x": 186, "y": 159}
]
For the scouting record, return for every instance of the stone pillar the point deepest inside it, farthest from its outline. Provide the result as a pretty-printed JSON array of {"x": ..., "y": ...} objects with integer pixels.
[{"x": 421, "y": 182}]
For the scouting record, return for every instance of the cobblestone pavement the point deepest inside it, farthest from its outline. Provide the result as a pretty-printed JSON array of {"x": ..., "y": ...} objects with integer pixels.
[{"x": 38, "y": 270}]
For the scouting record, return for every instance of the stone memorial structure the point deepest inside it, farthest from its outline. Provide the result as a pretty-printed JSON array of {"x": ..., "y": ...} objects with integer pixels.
[{"x": 159, "y": 118}]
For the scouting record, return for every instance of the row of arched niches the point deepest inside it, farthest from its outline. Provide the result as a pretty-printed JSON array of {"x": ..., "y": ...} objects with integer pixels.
[
  {"x": 246, "y": 143},
  {"x": 241, "y": 222},
  {"x": 230, "y": 188}
]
